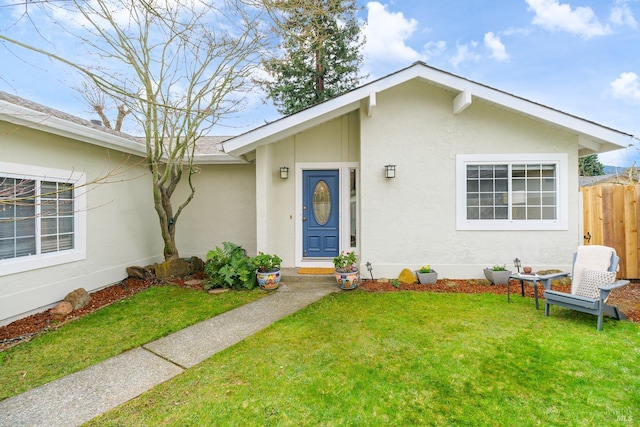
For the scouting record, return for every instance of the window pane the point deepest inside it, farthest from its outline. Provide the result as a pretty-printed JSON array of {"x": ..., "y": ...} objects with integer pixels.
[
  {"x": 49, "y": 244},
  {"x": 472, "y": 186},
  {"x": 66, "y": 225},
  {"x": 25, "y": 246},
  {"x": 7, "y": 229},
  {"x": 518, "y": 185},
  {"x": 25, "y": 227},
  {"x": 501, "y": 199},
  {"x": 66, "y": 242},
  {"x": 65, "y": 191},
  {"x": 65, "y": 207},
  {"x": 7, "y": 248},
  {"x": 533, "y": 199},
  {"x": 549, "y": 184},
  {"x": 549, "y": 199},
  {"x": 473, "y": 213},
  {"x": 486, "y": 199},
  {"x": 486, "y": 213},
  {"x": 519, "y": 213},
  {"x": 49, "y": 226},
  {"x": 502, "y": 171},
  {"x": 533, "y": 185},
  {"x": 48, "y": 190},
  {"x": 502, "y": 213},
  {"x": 473, "y": 172},
  {"x": 534, "y": 213},
  {"x": 549, "y": 213},
  {"x": 502, "y": 185}
]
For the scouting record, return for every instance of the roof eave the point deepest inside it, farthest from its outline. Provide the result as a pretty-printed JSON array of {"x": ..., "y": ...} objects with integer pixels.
[
  {"x": 603, "y": 138},
  {"x": 54, "y": 125}
]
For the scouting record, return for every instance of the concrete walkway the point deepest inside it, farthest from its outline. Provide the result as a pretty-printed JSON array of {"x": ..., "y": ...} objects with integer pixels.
[{"x": 79, "y": 397}]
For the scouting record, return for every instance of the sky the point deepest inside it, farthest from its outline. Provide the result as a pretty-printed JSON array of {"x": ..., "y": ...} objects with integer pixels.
[{"x": 579, "y": 56}]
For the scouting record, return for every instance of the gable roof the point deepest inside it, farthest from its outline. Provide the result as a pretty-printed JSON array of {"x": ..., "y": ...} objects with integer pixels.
[
  {"x": 22, "y": 112},
  {"x": 593, "y": 138}
]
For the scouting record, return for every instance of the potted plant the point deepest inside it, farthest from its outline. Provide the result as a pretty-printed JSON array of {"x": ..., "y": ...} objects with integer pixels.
[
  {"x": 498, "y": 274},
  {"x": 347, "y": 275},
  {"x": 267, "y": 270},
  {"x": 426, "y": 275}
]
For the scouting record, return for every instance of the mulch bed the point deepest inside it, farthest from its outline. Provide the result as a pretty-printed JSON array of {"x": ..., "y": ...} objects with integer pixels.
[
  {"x": 30, "y": 326},
  {"x": 627, "y": 299}
]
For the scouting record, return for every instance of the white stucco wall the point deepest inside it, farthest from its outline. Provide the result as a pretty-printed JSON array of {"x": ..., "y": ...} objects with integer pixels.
[
  {"x": 332, "y": 143},
  {"x": 411, "y": 220},
  {"x": 223, "y": 209},
  {"x": 121, "y": 228}
]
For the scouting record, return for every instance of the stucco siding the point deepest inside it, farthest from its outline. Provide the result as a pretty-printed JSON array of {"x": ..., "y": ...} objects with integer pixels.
[
  {"x": 413, "y": 126},
  {"x": 223, "y": 209},
  {"x": 120, "y": 225},
  {"x": 332, "y": 143}
]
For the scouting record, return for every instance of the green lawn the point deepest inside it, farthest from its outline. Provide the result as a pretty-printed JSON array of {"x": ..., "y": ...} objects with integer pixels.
[
  {"x": 127, "y": 324},
  {"x": 362, "y": 359}
]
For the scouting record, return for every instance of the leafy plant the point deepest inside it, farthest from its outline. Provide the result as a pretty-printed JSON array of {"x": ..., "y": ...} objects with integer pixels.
[
  {"x": 425, "y": 269},
  {"x": 345, "y": 262},
  {"x": 395, "y": 283},
  {"x": 266, "y": 263},
  {"x": 229, "y": 267},
  {"x": 499, "y": 267}
]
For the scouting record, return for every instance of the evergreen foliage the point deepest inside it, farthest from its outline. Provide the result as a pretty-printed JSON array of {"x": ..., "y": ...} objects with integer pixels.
[
  {"x": 321, "y": 40},
  {"x": 590, "y": 166}
]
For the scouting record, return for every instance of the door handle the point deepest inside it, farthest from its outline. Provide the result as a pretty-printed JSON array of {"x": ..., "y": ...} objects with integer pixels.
[{"x": 304, "y": 218}]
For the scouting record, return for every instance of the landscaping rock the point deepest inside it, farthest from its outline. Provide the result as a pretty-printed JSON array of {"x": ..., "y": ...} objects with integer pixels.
[
  {"x": 193, "y": 282},
  {"x": 138, "y": 272},
  {"x": 172, "y": 268},
  {"x": 61, "y": 310},
  {"x": 407, "y": 276},
  {"x": 197, "y": 265},
  {"x": 218, "y": 291},
  {"x": 78, "y": 298}
]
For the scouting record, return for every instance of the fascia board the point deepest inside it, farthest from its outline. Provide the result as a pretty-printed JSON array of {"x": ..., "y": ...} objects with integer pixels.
[
  {"x": 609, "y": 139},
  {"x": 54, "y": 125},
  {"x": 604, "y": 135},
  {"x": 217, "y": 159}
]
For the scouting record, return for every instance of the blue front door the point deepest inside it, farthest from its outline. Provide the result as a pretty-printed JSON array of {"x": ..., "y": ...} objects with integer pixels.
[{"x": 320, "y": 213}]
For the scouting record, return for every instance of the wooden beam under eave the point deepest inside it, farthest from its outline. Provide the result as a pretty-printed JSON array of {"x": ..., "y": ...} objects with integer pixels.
[
  {"x": 371, "y": 103},
  {"x": 461, "y": 102},
  {"x": 588, "y": 144}
]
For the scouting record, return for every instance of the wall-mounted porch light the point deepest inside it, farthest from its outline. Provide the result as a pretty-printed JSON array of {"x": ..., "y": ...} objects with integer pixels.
[
  {"x": 390, "y": 171},
  {"x": 517, "y": 264},
  {"x": 284, "y": 172}
]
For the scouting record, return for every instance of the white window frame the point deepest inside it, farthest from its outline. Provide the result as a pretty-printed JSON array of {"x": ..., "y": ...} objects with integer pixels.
[
  {"x": 79, "y": 251},
  {"x": 560, "y": 160}
]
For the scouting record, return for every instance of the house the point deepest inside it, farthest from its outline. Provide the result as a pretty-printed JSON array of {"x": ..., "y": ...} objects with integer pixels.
[{"x": 480, "y": 177}]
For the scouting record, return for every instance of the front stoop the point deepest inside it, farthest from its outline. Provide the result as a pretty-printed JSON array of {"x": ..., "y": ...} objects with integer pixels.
[{"x": 290, "y": 275}]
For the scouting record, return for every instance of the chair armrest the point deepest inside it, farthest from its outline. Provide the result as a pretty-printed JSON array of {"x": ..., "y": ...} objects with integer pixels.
[
  {"x": 553, "y": 276},
  {"x": 614, "y": 285}
]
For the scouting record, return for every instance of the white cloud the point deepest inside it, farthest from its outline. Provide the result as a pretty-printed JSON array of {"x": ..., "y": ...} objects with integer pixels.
[
  {"x": 386, "y": 33},
  {"x": 554, "y": 16},
  {"x": 433, "y": 49},
  {"x": 626, "y": 87},
  {"x": 622, "y": 15},
  {"x": 495, "y": 45},
  {"x": 464, "y": 52}
]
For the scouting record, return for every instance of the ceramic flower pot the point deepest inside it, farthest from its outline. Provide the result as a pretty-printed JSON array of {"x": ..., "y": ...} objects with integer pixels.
[
  {"x": 269, "y": 280},
  {"x": 348, "y": 279}
]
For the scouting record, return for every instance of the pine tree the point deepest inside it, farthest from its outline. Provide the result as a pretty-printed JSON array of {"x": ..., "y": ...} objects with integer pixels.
[
  {"x": 590, "y": 166},
  {"x": 321, "y": 40}
]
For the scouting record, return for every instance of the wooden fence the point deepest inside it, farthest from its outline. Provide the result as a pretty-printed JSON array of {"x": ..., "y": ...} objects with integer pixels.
[{"x": 611, "y": 218}]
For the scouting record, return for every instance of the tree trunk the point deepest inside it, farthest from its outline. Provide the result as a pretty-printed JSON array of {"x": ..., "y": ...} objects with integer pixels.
[{"x": 162, "y": 204}]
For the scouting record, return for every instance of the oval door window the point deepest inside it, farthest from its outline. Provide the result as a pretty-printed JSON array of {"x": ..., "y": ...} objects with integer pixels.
[{"x": 321, "y": 202}]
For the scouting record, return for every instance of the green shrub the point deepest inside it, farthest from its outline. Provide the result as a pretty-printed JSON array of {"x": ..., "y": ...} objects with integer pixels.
[{"x": 229, "y": 267}]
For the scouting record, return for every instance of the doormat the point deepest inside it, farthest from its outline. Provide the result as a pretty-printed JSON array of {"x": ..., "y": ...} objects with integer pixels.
[{"x": 316, "y": 270}]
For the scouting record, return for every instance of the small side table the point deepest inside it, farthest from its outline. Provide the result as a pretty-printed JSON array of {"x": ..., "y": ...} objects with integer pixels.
[{"x": 534, "y": 278}]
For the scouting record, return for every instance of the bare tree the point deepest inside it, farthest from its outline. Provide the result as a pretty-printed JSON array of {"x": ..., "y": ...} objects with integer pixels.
[
  {"x": 98, "y": 101},
  {"x": 178, "y": 66}
]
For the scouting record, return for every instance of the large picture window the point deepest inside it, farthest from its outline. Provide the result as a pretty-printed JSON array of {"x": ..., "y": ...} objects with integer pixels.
[
  {"x": 511, "y": 192},
  {"x": 40, "y": 218}
]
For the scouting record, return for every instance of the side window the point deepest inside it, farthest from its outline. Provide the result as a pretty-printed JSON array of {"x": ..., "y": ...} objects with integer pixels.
[
  {"x": 511, "y": 192},
  {"x": 42, "y": 217}
]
